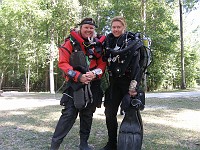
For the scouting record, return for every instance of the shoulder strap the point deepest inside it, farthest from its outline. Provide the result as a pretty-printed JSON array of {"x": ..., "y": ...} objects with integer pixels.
[
  {"x": 63, "y": 45},
  {"x": 65, "y": 49},
  {"x": 76, "y": 40}
]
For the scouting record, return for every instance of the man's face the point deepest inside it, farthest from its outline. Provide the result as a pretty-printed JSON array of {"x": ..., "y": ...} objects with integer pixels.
[
  {"x": 117, "y": 28},
  {"x": 87, "y": 30}
]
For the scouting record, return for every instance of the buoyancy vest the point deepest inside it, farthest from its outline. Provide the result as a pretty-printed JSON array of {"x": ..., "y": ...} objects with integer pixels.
[
  {"x": 125, "y": 55},
  {"x": 75, "y": 43},
  {"x": 93, "y": 49}
]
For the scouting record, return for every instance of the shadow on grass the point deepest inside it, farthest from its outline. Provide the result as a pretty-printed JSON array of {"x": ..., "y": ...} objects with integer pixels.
[{"x": 32, "y": 128}]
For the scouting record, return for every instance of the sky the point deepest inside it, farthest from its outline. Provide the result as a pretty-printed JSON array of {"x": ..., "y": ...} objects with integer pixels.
[
  {"x": 192, "y": 23},
  {"x": 192, "y": 19}
]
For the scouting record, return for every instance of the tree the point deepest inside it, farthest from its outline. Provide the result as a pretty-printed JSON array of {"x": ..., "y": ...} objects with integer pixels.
[
  {"x": 26, "y": 29},
  {"x": 188, "y": 5},
  {"x": 31, "y": 31},
  {"x": 183, "y": 85}
]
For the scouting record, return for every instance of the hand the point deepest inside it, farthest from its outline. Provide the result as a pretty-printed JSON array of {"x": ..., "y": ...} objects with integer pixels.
[
  {"x": 132, "y": 88},
  {"x": 132, "y": 92},
  {"x": 88, "y": 77},
  {"x": 84, "y": 79}
]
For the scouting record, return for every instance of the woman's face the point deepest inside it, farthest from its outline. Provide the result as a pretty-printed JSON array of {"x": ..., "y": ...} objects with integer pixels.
[
  {"x": 87, "y": 30},
  {"x": 117, "y": 28}
]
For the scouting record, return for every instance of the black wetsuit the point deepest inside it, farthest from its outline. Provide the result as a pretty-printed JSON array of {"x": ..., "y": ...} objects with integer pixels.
[{"x": 120, "y": 79}]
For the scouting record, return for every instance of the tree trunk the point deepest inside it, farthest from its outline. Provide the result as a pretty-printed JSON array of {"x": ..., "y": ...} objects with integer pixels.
[
  {"x": 27, "y": 77},
  {"x": 47, "y": 78},
  {"x": 143, "y": 14},
  {"x": 1, "y": 80},
  {"x": 51, "y": 71},
  {"x": 183, "y": 85},
  {"x": 51, "y": 75}
]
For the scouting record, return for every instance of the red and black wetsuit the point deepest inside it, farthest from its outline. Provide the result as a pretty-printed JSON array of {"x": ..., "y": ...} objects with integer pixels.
[
  {"x": 70, "y": 112},
  {"x": 64, "y": 55}
]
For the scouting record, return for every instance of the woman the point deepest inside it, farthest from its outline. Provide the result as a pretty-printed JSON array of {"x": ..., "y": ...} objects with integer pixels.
[
  {"x": 122, "y": 58},
  {"x": 80, "y": 58}
]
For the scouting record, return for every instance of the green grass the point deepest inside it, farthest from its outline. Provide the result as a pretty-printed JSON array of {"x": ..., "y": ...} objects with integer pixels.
[
  {"x": 172, "y": 124},
  {"x": 169, "y": 124}
]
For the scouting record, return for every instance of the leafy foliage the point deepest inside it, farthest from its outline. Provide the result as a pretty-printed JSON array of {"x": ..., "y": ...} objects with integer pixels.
[{"x": 29, "y": 27}]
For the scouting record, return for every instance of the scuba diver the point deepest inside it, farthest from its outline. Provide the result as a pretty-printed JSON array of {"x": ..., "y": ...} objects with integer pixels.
[
  {"x": 125, "y": 68},
  {"x": 80, "y": 58}
]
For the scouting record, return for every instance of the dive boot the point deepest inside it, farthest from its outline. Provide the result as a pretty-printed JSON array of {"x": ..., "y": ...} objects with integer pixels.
[
  {"x": 84, "y": 146},
  {"x": 110, "y": 146}
]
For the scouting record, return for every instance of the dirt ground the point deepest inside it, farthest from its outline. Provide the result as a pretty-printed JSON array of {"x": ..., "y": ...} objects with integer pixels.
[{"x": 17, "y": 100}]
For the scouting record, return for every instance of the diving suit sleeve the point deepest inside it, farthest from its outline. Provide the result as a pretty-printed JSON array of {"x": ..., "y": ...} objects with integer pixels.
[{"x": 63, "y": 63}]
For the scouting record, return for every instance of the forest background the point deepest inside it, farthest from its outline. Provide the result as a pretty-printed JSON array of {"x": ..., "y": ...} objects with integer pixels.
[{"x": 32, "y": 30}]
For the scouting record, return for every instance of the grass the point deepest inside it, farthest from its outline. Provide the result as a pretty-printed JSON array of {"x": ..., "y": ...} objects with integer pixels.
[
  {"x": 169, "y": 124},
  {"x": 172, "y": 124}
]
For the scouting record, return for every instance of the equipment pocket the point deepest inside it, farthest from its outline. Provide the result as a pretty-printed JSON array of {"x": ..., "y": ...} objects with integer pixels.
[
  {"x": 67, "y": 94},
  {"x": 79, "y": 99},
  {"x": 64, "y": 100}
]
